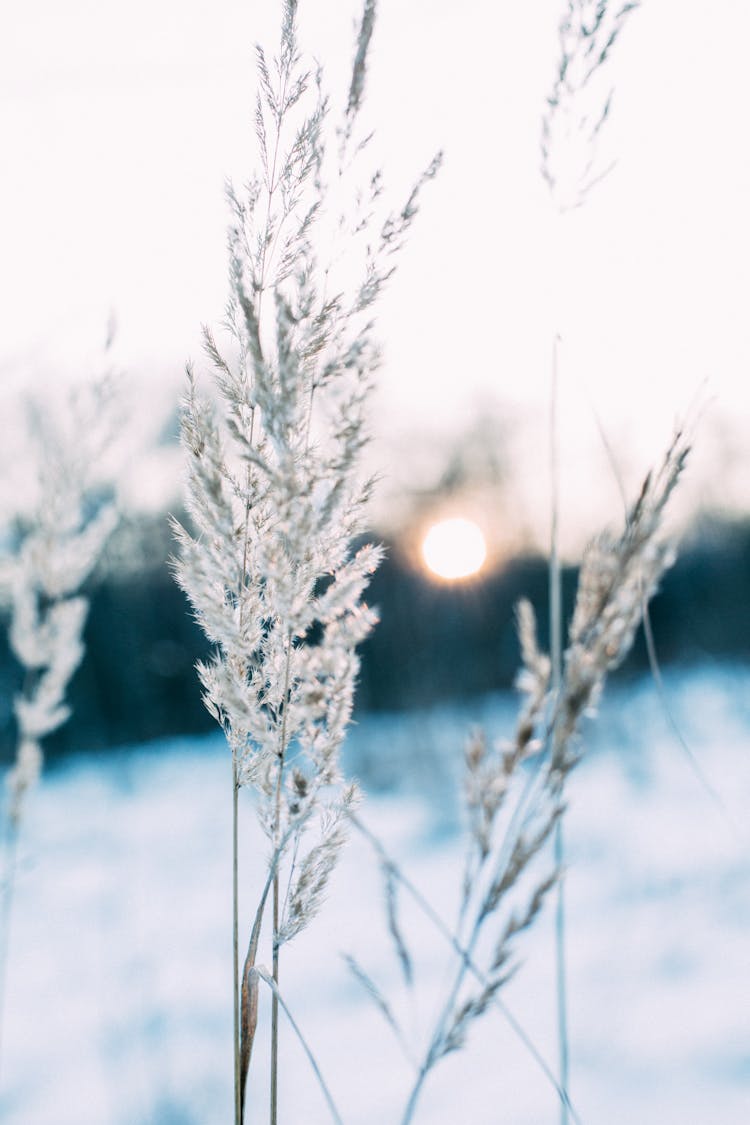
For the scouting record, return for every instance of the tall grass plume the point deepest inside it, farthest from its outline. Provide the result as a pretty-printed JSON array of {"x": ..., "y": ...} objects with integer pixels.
[{"x": 275, "y": 488}]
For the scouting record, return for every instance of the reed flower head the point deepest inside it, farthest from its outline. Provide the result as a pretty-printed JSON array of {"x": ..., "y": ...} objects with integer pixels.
[
  {"x": 619, "y": 575},
  {"x": 275, "y": 487},
  {"x": 58, "y": 545},
  {"x": 579, "y": 103}
]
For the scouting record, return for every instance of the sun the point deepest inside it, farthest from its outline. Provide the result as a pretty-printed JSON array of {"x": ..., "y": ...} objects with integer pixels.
[{"x": 454, "y": 549}]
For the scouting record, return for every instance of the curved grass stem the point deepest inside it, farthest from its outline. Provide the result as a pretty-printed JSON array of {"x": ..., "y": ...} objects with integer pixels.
[{"x": 263, "y": 975}]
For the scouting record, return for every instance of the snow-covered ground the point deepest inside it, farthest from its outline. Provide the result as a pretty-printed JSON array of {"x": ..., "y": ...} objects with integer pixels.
[{"x": 118, "y": 1007}]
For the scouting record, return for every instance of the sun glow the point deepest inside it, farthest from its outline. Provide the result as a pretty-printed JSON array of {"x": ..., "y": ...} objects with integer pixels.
[{"x": 454, "y": 549}]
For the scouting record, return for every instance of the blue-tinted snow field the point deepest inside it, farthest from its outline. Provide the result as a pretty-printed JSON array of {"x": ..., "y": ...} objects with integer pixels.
[{"x": 118, "y": 1008}]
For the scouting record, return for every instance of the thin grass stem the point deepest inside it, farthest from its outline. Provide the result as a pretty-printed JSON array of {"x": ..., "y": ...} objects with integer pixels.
[
  {"x": 263, "y": 975},
  {"x": 6, "y": 913},
  {"x": 274, "y": 1109},
  {"x": 275, "y": 1008},
  {"x": 555, "y": 633},
  {"x": 238, "y": 1083},
  {"x": 275, "y": 907},
  {"x": 555, "y": 582},
  {"x": 560, "y": 974},
  {"x": 236, "y": 946}
]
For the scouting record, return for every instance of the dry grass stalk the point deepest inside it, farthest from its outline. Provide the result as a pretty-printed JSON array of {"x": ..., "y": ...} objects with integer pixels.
[
  {"x": 514, "y": 790},
  {"x": 572, "y": 126},
  {"x": 502, "y": 850},
  {"x": 57, "y": 545},
  {"x": 274, "y": 482}
]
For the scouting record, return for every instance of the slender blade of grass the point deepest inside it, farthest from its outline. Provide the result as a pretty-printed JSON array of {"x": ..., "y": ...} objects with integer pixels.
[{"x": 260, "y": 973}]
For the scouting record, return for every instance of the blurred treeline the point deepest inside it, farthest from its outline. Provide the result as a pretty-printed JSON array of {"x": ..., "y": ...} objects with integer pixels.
[{"x": 434, "y": 642}]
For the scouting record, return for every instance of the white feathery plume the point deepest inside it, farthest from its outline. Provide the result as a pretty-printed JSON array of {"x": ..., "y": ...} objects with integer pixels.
[
  {"x": 274, "y": 481},
  {"x": 274, "y": 484},
  {"x": 59, "y": 543}
]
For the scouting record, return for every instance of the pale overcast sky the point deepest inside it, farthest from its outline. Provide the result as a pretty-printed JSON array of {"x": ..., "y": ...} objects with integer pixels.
[{"x": 119, "y": 123}]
